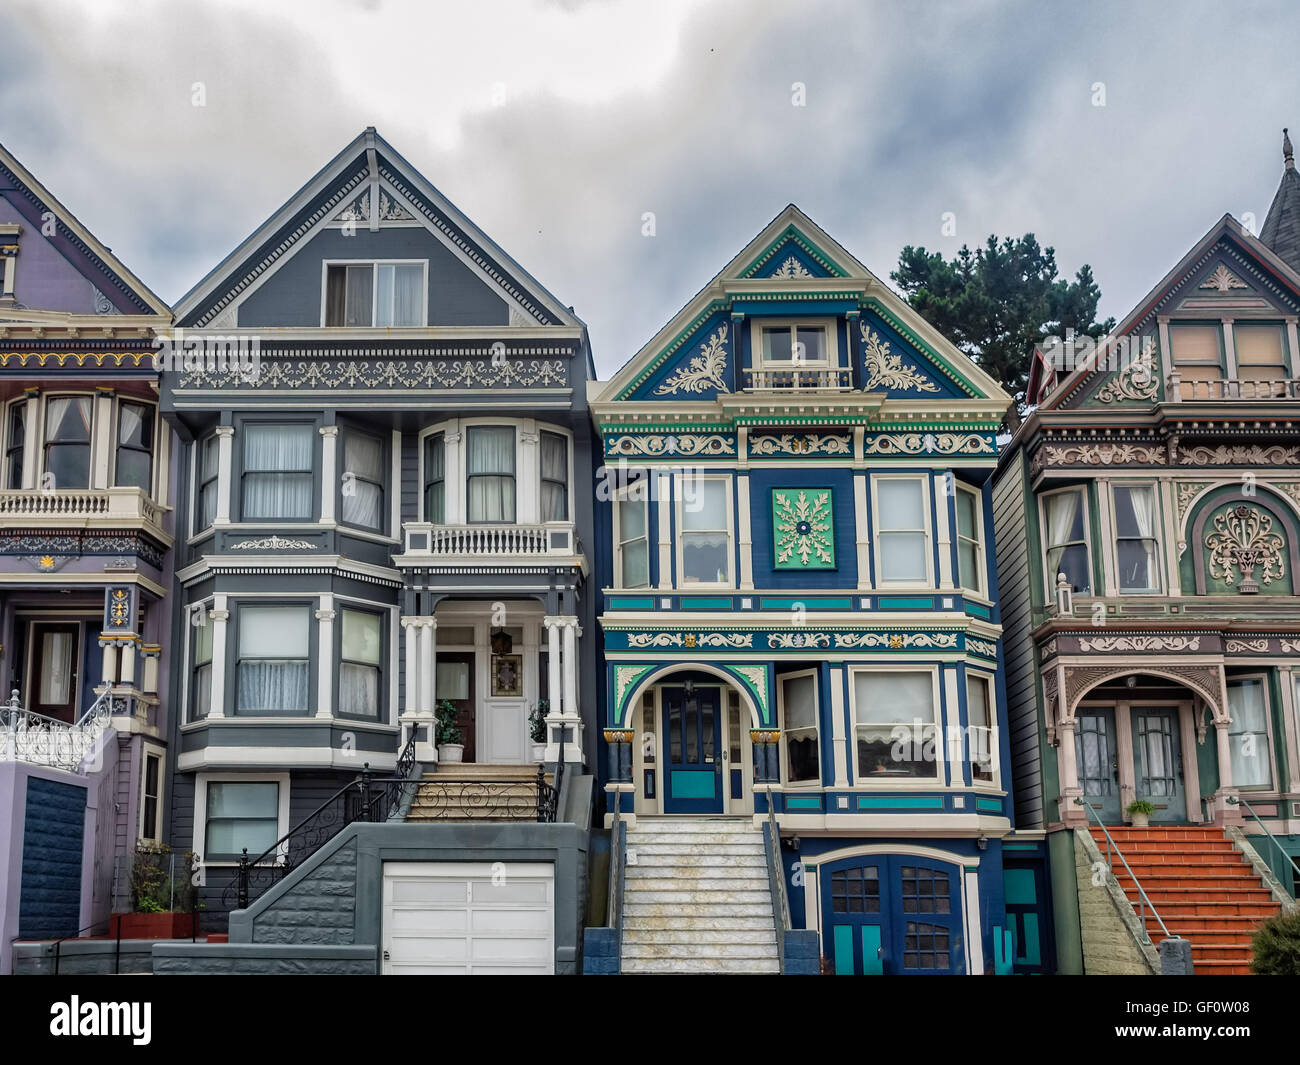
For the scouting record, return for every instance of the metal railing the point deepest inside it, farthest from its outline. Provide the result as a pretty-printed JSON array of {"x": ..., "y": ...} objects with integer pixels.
[
  {"x": 614, "y": 904},
  {"x": 783, "y": 900},
  {"x": 1233, "y": 800},
  {"x": 1144, "y": 901},
  {"x": 804, "y": 378},
  {"x": 26, "y": 736}
]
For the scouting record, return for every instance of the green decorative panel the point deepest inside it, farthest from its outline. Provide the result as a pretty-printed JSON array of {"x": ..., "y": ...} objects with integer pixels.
[
  {"x": 803, "y": 528},
  {"x": 1245, "y": 551}
]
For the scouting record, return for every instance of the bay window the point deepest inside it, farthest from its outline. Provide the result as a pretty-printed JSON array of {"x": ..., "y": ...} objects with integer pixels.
[
  {"x": 240, "y": 816},
  {"x": 362, "y": 484},
  {"x": 704, "y": 547},
  {"x": 902, "y": 532},
  {"x": 151, "y": 797},
  {"x": 273, "y": 658},
  {"x": 360, "y": 666},
  {"x": 375, "y": 294},
  {"x": 979, "y": 730},
  {"x": 799, "y": 728},
  {"x": 490, "y": 473},
  {"x": 1065, "y": 534},
  {"x": 201, "y": 683},
  {"x": 278, "y": 472},
  {"x": 555, "y": 477},
  {"x": 16, "y": 444},
  {"x": 435, "y": 479},
  {"x": 207, "y": 497},
  {"x": 970, "y": 541},
  {"x": 631, "y": 537},
  {"x": 134, "y": 467},
  {"x": 1135, "y": 538},
  {"x": 895, "y": 725},
  {"x": 67, "y": 442},
  {"x": 1248, "y": 733}
]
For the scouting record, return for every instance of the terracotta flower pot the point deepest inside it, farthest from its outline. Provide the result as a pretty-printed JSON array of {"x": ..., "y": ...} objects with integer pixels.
[{"x": 153, "y": 925}]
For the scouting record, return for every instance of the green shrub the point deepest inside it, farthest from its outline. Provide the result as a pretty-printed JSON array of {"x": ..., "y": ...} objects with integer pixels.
[
  {"x": 159, "y": 885},
  {"x": 1276, "y": 946},
  {"x": 448, "y": 729}
]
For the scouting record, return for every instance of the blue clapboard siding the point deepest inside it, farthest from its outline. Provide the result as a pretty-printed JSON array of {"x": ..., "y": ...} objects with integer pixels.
[{"x": 53, "y": 826}]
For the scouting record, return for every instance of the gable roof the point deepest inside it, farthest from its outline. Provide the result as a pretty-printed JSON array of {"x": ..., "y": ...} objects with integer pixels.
[
  {"x": 80, "y": 247},
  {"x": 835, "y": 272},
  {"x": 367, "y": 164}
]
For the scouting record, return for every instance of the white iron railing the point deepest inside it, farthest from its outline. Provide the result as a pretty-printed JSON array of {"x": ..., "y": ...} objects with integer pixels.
[
  {"x": 124, "y": 504},
  {"x": 26, "y": 736},
  {"x": 490, "y": 541},
  {"x": 806, "y": 379}
]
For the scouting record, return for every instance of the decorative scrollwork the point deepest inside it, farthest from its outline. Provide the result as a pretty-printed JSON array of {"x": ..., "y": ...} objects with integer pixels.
[
  {"x": 1139, "y": 380},
  {"x": 792, "y": 267},
  {"x": 704, "y": 371},
  {"x": 803, "y": 528},
  {"x": 885, "y": 370},
  {"x": 1242, "y": 541}
]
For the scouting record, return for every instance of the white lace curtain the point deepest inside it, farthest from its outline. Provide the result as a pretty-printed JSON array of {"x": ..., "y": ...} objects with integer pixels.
[
  {"x": 274, "y": 652},
  {"x": 399, "y": 299},
  {"x": 67, "y": 436},
  {"x": 555, "y": 477},
  {"x": 363, "y": 486},
  {"x": 278, "y": 471},
  {"x": 490, "y": 470},
  {"x": 359, "y": 673}
]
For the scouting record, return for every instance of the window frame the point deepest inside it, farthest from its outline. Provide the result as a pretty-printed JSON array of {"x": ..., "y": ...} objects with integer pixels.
[
  {"x": 1049, "y": 578},
  {"x": 877, "y": 532},
  {"x": 1158, "y": 564},
  {"x": 642, "y": 487},
  {"x": 374, "y": 264},
  {"x": 16, "y": 407},
  {"x": 994, "y": 780},
  {"x": 381, "y": 690},
  {"x": 1270, "y": 762},
  {"x": 118, "y": 446},
  {"x": 44, "y": 455},
  {"x": 940, "y": 777},
  {"x": 422, "y": 443},
  {"x": 830, "y": 348},
  {"x": 543, "y": 480},
  {"x": 385, "y": 470},
  {"x": 199, "y": 833},
  {"x": 235, "y": 659},
  {"x": 467, "y": 477},
  {"x": 679, "y": 480},
  {"x": 149, "y": 750},
  {"x": 201, "y": 483},
  {"x": 194, "y": 665},
  {"x": 981, "y": 562},
  {"x": 239, "y": 463},
  {"x": 781, "y": 679}
]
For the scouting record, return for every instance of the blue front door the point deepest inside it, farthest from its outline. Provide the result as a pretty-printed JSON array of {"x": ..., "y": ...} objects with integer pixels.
[
  {"x": 892, "y": 915},
  {"x": 692, "y": 731}
]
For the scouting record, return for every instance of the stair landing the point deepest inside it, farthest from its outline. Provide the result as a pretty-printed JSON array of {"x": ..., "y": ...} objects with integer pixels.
[{"x": 465, "y": 792}]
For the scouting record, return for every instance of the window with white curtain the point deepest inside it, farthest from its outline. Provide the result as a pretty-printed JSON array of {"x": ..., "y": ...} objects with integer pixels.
[
  {"x": 979, "y": 722},
  {"x": 705, "y": 542},
  {"x": 375, "y": 294},
  {"x": 799, "y": 730},
  {"x": 894, "y": 716},
  {"x": 134, "y": 467},
  {"x": 902, "y": 532},
  {"x": 151, "y": 797},
  {"x": 631, "y": 531},
  {"x": 278, "y": 473},
  {"x": 555, "y": 477},
  {"x": 1067, "y": 540},
  {"x": 435, "y": 479},
  {"x": 490, "y": 473},
  {"x": 201, "y": 685},
  {"x": 15, "y": 444},
  {"x": 1135, "y": 538},
  {"x": 360, "y": 666},
  {"x": 67, "y": 442},
  {"x": 1248, "y": 733},
  {"x": 362, "y": 482},
  {"x": 273, "y": 660},
  {"x": 241, "y": 816},
  {"x": 208, "y": 469},
  {"x": 970, "y": 540}
]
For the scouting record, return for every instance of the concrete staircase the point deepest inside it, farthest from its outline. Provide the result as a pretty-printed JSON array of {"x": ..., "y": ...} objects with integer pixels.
[
  {"x": 1202, "y": 886},
  {"x": 465, "y": 792},
  {"x": 696, "y": 898}
]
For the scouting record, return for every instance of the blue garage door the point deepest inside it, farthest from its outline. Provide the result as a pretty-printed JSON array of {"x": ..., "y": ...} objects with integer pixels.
[{"x": 53, "y": 826}]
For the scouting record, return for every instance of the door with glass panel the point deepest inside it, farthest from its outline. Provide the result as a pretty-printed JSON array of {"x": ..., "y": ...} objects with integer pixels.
[
  {"x": 1158, "y": 762},
  {"x": 1097, "y": 760},
  {"x": 53, "y": 684},
  {"x": 692, "y": 728}
]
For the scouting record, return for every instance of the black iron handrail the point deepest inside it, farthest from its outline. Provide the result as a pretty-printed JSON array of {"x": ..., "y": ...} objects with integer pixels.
[
  {"x": 782, "y": 899},
  {"x": 1142, "y": 895},
  {"x": 1235, "y": 801},
  {"x": 548, "y": 795},
  {"x": 614, "y": 906}
]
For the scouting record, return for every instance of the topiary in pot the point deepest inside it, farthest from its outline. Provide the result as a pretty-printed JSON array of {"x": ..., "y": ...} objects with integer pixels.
[
  {"x": 1276, "y": 946},
  {"x": 447, "y": 734}
]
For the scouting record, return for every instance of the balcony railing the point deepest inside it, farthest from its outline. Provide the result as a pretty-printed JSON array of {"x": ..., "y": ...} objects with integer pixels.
[
  {"x": 75, "y": 505},
  {"x": 26, "y": 736},
  {"x": 804, "y": 378},
  {"x": 490, "y": 541},
  {"x": 1232, "y": 388}
]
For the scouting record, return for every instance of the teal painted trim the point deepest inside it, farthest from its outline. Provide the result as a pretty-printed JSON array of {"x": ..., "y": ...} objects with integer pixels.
[
  {"x": 989, "y": 804},
  {"x": 807, "y": 601},
  {"x": 1018, "y": 884},
  {"x": 1003, "y": 951},
  {"x": 631, "y": 604},
  {"x": 803, "y": 802},
  {"x": 706, "y": 604},
  {"x": 977, "y": 611},
  {"x": 843, "y": 937},
  {"x": 1020, "y": 846},
  {"x": 896, "y": 802},
  {"x": 1032, "y": 955},
  {"x": 872, "y": 963},
  {"x": 905, "y": 604},
  {"x": 693, "y": 785}
]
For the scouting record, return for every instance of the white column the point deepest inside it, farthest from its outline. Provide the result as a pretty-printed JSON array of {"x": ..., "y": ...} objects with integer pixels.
[
  {"x": 943, "y": 482},
  {"x": 453, "y": 464},
  {"x": 127, "y": 651},
  {"x": 412, "y": 667},
  {"x": 746, "y": 537},
  {"x": 665, "y": 531},
  {"x": 1225, "y": 754},
  {"x": 325, "y": 658},
  {"x": 109, "y": 668},
  {"x": 328, "y": 472},
  {"x": 975, "y": 937},
  {"x": 863, "y": 540},
  {"x": 31, "y": 449},
  {"x": 528, "y": 482},
  {"x": 553, "y": 663},
  {"x": 570, "y": 667},
  {"x": 426, "y": 665},
  {"x": 217, "y": 618},
  {"x": 839, "y": 748},
  {"x": 101, "y": 448},
  {"x": 225, "y": 456}
]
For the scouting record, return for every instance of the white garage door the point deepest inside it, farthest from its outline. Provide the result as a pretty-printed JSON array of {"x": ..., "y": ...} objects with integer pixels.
[{"x": 469, "y": 917}]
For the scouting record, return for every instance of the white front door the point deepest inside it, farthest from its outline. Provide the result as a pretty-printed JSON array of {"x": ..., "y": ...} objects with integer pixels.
[
  {"x": 504, "y": 727},
  {"x": 479, "y": 918}
]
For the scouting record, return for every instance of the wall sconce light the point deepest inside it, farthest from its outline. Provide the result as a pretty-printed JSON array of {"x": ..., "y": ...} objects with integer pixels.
[
  {"x": 502, "y": 644},
  {"x": 1131, "y": 680},
  {"x": 982, "y": 843}
]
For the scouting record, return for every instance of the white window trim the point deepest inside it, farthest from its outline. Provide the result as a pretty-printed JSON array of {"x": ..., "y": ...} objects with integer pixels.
[
  {"x": 927, "y": 513},
  {"x": 200, "y": 830},
  {"x": 1115, "y": 537},
  {"x": 940, "y": 780},
  {"x": 679, "y": 480},
  {"x": 981, "y": 560},
  {"x": 154, "y": 446},
  {"x": 1049, "y": 579},
  {"x": 148, "y": 750},
  {"x": 374, "y": 290},
  {"x": 1270, "y": 757},
  {"x": 620, "y": 494},
  {"x": 786, "y": 782},
  {"x": 995, "y": 739},
  {"x": 831, "y": 361}
]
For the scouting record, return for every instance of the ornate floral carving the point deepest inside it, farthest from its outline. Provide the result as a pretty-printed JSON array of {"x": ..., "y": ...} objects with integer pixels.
[
  {"x": 1140, "y": 643},
  {"x": 1291, "y": 647},
  {"x": 704, "y": 371},
  {"x": 1223, "y": 279},
  {"x": 273, "y": 543},
  {"x": 801, "y": 444},
  {"x": 1241, "y": 647},
  {"x": 103, "y": 305},
  {"x": 887, "y": 371},
  {"x": 358, "y": 374},
  {"x": 898, "y": 641},
  {"x": 1242, "y": 541},
  {"x": 792, "y": 267},
  {"x": 1100, "y": 455},
  {"x": 1139, "y": 380},
  {"x": 797, "y": 641},
  {"x": 981, "y": 647},
  {"x": 930, "y": 444},
  {"x": 690, "y": 639},
  {"x": 686, "y": 444},
  {"x": 1291, "y": 490},
  {"x": 1186, "y": 493},
  {"x": 626, "y": 677},
  {"x": 1239, "y": 455},
  {"x": 803, "y": 528},
  {"x": 1079, "y": 680},
  {"x": 390, "y": 210}
]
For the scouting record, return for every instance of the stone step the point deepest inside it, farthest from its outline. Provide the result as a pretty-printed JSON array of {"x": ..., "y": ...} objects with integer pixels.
[
  {"x": 482, "y": 771},
  {"x": 702, "y": 951},
  {"x": 691, "y": 894},
  {"x": 689, "y": 937},
  {"x": 731, "y": 922},
  {"x": 720, "y": 850},
  {"x": 681, "y": 825},
  {"x": 738, "y": 966},
  {"x": 707, "y": 913},
  {"x": 700, "y": 839},
  {"x": 692, "y": 887},
  {"x": 755, "y": 870}
]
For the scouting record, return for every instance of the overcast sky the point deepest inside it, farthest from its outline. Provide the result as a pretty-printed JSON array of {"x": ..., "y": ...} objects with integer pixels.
[{"x": 556, "y": 124}]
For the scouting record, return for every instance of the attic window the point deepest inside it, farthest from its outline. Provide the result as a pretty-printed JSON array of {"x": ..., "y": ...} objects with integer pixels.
[{"x": 375, "y": 294}]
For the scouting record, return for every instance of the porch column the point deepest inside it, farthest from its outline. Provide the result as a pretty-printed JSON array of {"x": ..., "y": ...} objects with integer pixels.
[
  {"x": 564, "y": 720},
  {"x": 417, "y": 710},
  {"x": 225, "y": 457},
  {"x": 127, "y": 653},
  {"x": 570, "y": 666},
  {"x": 109, "y": 670},
  {"x": 325, "y": 659},
  {"x": 1069, "y": 771},
  {"x": 427, "y": 655},
  {"x": 218, "y": 616},
  {"x": 328, "y": 472},
  {"x": 553, "y": 663}
]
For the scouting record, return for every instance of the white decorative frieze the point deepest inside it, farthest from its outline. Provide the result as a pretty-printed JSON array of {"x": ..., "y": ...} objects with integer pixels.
[
  {"x": 273, "y": 543},
  {"x": 691, "y": 640},
  {"x": 981, "y": 647},
  {"x": 356, "y": 374},
  {"x": 929, "y": 444},
  {"x": 1223, "y": 280},
  {"x": 1106, "y": 454},
  {"x": 1140, "y": 643},
  {"x": 1242, "y": 647},
  {"x": 887, "y": 371},
  {"x": 801, "y": 444},
  {"x": 1240, "y": 455},
  {"x": 682, "y": 444},
  {"x": 706, "y": 370}
]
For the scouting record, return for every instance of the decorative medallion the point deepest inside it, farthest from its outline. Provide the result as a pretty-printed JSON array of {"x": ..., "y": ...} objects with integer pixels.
[
  {"x": 1241, "y": 542},
  {"x": 803, "y": 528},
  {"x": 273, "y": 543},
  {"x": 792, "y": 267},
  {"x": 1139, "y": 380},
  {"x": 1223, "y": 279},
  {"x": 887, "y": 371},
  {"x": 704, "y": 371},
  {"x": 801, "y": 444}
]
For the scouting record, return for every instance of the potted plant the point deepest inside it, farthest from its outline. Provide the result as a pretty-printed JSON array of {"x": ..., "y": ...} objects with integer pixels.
[
  {"x": 537, "y": 728},
  {"x": 1140, "y": 811},
  {"x": 163, "y": 897},
  {"x": 451, "y": 743}
]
